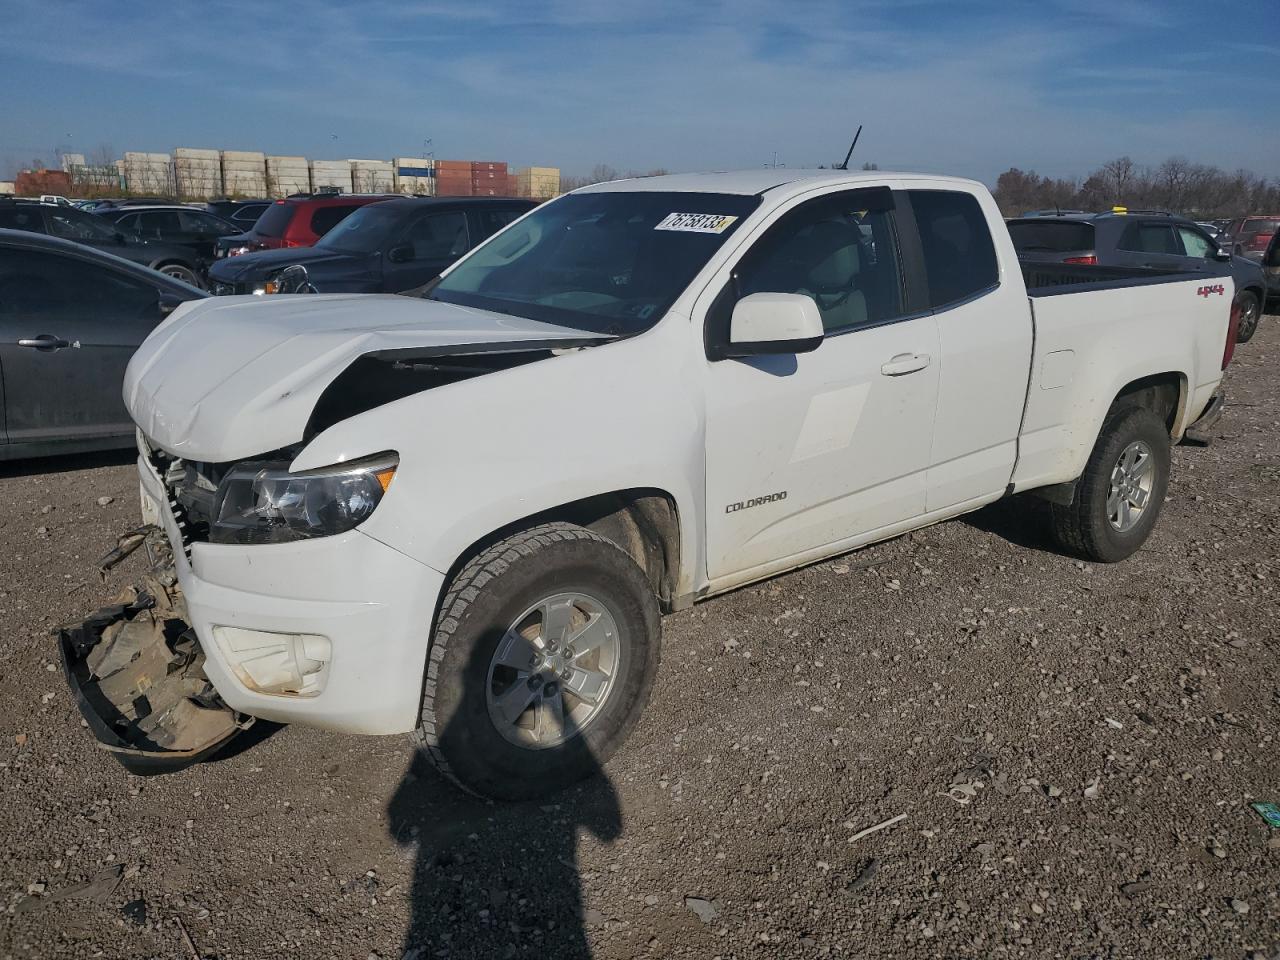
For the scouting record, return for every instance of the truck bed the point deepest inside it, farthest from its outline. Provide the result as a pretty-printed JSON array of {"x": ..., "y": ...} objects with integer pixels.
[{"x": 1049, "y": 279}]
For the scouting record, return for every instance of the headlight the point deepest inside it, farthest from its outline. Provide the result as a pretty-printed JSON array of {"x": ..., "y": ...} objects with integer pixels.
[
  {"x": 237, "y": 251},
  {"x": 262, "y": 502}
]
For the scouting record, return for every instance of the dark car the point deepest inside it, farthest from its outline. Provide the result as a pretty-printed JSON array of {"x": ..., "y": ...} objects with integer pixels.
[
  {"x": 70, "y": 319},
  {"x": 395, "y": 246},
  {"x": 243, "y": 213},
  {"x": 197, "y": 230},
  {"x": 1140, "y": 239},
  {"x": 94, "y": 231},
  {"x": 1271, "y": 268},
  {"x": 1249, "y": 236},
  {"x": 296, "y": 221}
]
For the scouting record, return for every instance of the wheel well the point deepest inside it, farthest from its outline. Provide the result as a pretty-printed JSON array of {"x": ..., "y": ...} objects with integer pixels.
[
  {"x": 642, "y": 521},
  {"x": 1257, "y": 292},
  {"x": 1161, "y": 393}
]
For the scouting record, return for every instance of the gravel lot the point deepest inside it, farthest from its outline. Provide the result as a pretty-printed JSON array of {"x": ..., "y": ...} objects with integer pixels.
[{"x": 1073, "y": 750}]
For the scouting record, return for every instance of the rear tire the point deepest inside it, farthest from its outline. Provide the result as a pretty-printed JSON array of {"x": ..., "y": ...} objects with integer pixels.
[
  {"x": 1129, "y": 463},
  {"x": 1250, "y": 311},
  {"x": 483, "y": 665},
  {"x": 181, "y": 272}
]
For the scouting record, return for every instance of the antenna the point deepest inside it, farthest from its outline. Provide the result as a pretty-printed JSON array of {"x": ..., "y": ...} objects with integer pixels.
[{"x": 845, "y": 165}]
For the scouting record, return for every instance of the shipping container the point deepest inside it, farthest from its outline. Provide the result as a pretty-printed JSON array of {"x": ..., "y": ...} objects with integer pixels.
[
  {"x": 415, "y": 176},
  {"x": 372, "y": 176},
  {"x": 7, "y": 188},
  {"x": 147, "y": 173},
  {"x": 288, "y": 175},
  {"x": 331, "y": 173},
  {"x": 197, "y": 173},
  {"x": 244, "y": 173},
  {"x": 537, "y": 183},
  {"x": 72, "y": 160}
]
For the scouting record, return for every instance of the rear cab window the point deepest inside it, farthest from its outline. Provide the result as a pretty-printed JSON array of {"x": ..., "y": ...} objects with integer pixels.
[{"x": 959, "y": 256}]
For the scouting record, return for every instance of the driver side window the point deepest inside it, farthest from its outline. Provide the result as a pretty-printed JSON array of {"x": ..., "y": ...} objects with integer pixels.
[
  {"x": 843, "y": 257},
  {"x": 1196, "y": 243},
  {"x": 439, "y": 236}
]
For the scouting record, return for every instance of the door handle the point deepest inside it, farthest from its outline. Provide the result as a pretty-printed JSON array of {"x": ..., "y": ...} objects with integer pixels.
[
  {"x": 904, "y": 363},
  {"x": 46, "y": 342}
]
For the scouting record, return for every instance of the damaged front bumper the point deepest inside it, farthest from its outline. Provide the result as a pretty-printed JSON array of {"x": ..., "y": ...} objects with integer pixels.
[{"x": 137, "y": 671}]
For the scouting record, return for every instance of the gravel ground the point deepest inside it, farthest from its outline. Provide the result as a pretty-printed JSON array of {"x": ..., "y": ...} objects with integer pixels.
[{"x": 1072, "y": 750}]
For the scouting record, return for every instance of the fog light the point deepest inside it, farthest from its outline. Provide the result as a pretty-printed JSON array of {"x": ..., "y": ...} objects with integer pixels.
[{"x": 279, "y": 664}]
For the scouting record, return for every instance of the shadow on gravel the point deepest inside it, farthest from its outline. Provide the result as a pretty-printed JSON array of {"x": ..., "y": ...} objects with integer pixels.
[
  {"x": 68, "y": 462},
  {"x": 1023, "y": 521},
  {"x": 497, "y": 880}
]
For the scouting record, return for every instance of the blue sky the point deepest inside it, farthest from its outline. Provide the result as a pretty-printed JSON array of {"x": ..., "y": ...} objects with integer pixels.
[{"x": 959, "y": 87}]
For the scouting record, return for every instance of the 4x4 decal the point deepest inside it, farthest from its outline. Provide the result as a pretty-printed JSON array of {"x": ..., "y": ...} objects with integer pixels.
[{"x": 1217, "y": 288}]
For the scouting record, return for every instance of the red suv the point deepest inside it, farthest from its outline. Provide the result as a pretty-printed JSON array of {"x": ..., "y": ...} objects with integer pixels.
[
  {"x": 1249, "y": 236},
  {"x": 297, "y": 221}
]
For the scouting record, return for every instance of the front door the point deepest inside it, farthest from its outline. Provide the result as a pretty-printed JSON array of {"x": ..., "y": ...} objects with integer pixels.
[
  {"x": 814, "y": 449},
  {"x": 67, "y": 331}
]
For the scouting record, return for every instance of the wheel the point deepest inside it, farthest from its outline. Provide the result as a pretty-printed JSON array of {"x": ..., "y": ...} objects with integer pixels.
[
  {"x": 180, "y": 272},
  {"x": 1119, "y": 495},
  {"x": 545, "y": 649},
  {"x": 1250, "y": 310}
]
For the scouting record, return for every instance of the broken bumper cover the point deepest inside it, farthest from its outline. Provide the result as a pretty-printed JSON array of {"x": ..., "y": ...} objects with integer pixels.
[
  {"x": 1201, "y": 431},
  {"x": 137, "y": 672}
]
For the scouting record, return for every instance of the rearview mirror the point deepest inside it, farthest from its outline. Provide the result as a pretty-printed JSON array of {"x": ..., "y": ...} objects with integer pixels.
[
  {"x": 774, "y": 323},
  {"x": 400, "y": 253}
]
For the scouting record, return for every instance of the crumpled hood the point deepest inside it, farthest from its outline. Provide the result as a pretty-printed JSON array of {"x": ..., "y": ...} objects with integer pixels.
[
  {"x": 257, "y": 265},
  {"x": 226, "y": 378}
]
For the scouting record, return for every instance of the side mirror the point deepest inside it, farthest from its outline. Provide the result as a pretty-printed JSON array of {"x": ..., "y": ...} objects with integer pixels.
[
  {"x": 774, "y": 323},
  {"x": 1222, "y": 256},
  {"x": 400, "y": 253},
  {"x": 169, "y": 302}
]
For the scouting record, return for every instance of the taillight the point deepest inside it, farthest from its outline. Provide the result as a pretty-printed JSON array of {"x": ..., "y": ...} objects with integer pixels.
[
  {"x": 1091, "y": 259},
  {"x": 1233, "y": 330}
]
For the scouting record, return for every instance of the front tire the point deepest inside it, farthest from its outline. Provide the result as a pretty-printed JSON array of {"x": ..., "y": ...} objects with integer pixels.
[
  {"x": 1118, "y": 497},
  {"x": 544, "y": 654},
  {"x": 1250, "y": 311}
]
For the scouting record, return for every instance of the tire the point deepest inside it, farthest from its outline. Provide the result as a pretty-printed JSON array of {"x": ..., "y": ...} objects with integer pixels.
[
  {"x": 1085, "y": 528},
  {"x": 181, "y": 272},
  {"x": 1250, "y": 311},
  {"x": 483, "y": 606}
]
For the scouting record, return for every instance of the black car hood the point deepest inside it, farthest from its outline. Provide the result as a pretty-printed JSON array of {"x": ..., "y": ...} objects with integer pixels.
[{"x": 260, "y": 265}]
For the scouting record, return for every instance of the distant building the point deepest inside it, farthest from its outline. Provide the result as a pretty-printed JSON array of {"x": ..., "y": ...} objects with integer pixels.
[{"x": 34, "y": 183}]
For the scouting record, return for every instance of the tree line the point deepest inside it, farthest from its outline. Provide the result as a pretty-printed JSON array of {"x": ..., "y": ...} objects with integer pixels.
[{"x": 1177, "y": 185}]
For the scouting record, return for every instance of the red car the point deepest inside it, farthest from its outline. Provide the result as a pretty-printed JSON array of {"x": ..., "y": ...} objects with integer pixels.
[
  {"x": 1249, "y": 236},
  {"x": 297, "y": 221}
]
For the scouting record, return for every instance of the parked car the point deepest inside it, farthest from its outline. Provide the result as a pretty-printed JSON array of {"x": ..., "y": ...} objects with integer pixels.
[
  {"x": 196, "y": 230},
  {"x": 95, "y": 231},
  {"x": 390, "y": 247},
  {"x": 639, "y": 395},
  {"x": 70, "y": 319},
  {"x": 1141, "y": 239},
  {"x": 1271, "y": 267},
  {"x": 1249, "y": 236},
  {"x": 243, "y": 213},
  {"x": 97, "y": 206},
  {"x": 297, "y": 221}
]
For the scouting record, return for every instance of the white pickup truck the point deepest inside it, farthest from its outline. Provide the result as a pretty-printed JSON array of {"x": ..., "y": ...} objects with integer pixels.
[{"x": 461, "y": 516}]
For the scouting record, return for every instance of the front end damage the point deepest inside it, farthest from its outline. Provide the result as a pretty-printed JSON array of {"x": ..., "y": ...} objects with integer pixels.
[{"x": 137, "y": 670}]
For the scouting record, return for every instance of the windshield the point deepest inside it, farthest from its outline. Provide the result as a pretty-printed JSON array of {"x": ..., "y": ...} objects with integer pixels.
[
  {"x": 1261, "y": 226},
  {"x": 605, "y": 262},
  {"x": 1059, "y": 236},
  {"x": 364, "y": 231},
  {"x": 75, "y": 225}
]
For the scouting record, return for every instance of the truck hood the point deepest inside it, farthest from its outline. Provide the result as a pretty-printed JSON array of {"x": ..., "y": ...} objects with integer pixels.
[
  {"x": 227, "y": 378},
  {"x": 261, "y": 263}
]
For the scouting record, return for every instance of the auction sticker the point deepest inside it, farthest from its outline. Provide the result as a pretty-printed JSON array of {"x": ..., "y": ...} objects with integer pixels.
[{"x": 696, "y": 222}]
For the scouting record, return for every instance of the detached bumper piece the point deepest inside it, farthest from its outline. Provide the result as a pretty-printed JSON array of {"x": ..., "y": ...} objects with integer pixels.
[
  {"x": 1201, "y": 432},
  {"x": 137, "y": 671}
]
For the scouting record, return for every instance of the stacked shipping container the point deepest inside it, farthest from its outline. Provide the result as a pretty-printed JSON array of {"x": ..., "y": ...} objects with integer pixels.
[
  {"x": 489, "y": 179},
  {"x": 372, "y": 176},
  {"x": 539, "y": 183},
  {"x": 244, "y": 173},
  {"x": 197, "y": 174},
  {"x": 415, "y": 176},
  {"x": 453, "y": 178},
  {"x": 286, "y": 175},
  {"x": 147, "y": 173},
  {"x": 331, "y": 173}
]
